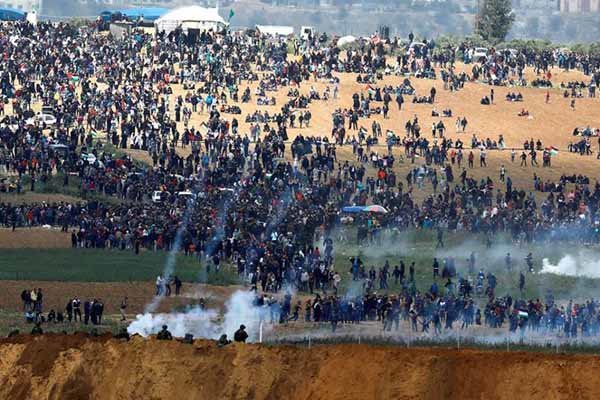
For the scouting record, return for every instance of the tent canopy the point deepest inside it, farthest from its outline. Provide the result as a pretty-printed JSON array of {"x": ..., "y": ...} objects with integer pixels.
[
  {"x": 344, "y": 40},
  {"x": 148, "y": 13},
  {"x": 191, "y": 17}
]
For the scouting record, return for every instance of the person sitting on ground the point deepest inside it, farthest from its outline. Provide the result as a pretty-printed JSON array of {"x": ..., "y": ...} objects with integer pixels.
[
  {"x": 123, "y": 334},
  {"x": 485, "y": 101},
  {"x": 241, "y": 335},
  {"x": 523, "y": 113},
  {"x": 164, "y": 334},
  {"x": 37, "y": 329},
  {"x": 223, "y": 341}
]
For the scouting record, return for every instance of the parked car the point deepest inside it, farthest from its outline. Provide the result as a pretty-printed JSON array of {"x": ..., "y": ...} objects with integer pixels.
[
  {"x": 42, "y": 119},
  {"x": 159, "y": 196},
  {"x": 479, "y": 53}
]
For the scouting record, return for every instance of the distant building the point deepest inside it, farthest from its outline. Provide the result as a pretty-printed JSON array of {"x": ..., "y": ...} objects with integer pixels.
[
  {"x": 579, "y": 6},
  {"x": 21, "y": 5},
  {"x": 529, "y": 5}
]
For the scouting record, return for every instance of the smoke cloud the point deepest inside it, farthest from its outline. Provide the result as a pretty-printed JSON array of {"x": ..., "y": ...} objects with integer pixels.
[
  {"x": 205, "y": 323},
  {"x": 582, "y": 265}
]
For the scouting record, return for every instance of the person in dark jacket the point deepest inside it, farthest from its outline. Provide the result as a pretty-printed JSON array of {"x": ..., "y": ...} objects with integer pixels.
[{"x": 241, "y": 335}]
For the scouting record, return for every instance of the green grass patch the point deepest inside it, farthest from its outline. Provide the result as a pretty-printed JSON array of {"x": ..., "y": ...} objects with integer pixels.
[
  {"x": 420, "y": 247},
  {"x": 55, "y": 185},
  {"x": 12, "y": 321},
  {"x": 104, "y": 265}
]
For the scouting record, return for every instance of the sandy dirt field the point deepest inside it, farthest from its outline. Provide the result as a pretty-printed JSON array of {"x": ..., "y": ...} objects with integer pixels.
[
  {"x": 553, "y": 123},
  {"x": 33, "y": 197},
  {"x": 77, "y": 367},
  {"x": 139, "y": 295},
  {"x": 34, "y": 238}
]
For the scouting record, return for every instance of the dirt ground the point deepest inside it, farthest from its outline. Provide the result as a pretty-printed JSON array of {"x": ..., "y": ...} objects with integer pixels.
[
  {"x": 77, "y": 367},
  {"x": 34, "y": 238},
  {"x": 553, "y": 123},
  {"x": 33, "y": 197},
  {"x": 139, "y": 294}
]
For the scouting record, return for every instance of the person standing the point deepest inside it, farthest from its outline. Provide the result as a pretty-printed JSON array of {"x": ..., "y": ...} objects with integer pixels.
[
  {"x": 159, "y": 283},
  {"x": 122, "y": 308},
  {"x": 482, "y": 162},
  {"x": 87, "y": 307},
  {"x": 533, "y": 155},
  {"x": 178, "y": 285},
  {"x": 76, "y": 309},
  {"x": 99, "y": 311},
  {"x": 440, "y": 238},
  {"x": 521, "y": 282},
  {"x": 69, "y": 310}
]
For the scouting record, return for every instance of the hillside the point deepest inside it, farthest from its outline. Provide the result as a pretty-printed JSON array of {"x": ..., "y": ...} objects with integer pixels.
[{"x": 77, "y": 367}]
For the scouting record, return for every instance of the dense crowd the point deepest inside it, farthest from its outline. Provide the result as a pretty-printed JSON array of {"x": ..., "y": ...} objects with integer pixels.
[{"x": 232, "y": 196}]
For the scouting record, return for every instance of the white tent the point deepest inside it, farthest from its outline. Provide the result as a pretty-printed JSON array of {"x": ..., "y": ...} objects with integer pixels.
[
  {"x": 32, "y": 17},
  {"x": 344, "y": 40},
  {"x": 191, "y": 17},
  {"x": 275, "y": 30}
]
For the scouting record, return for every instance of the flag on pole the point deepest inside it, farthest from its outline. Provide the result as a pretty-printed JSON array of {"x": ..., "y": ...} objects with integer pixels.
[
  {"x": 231, "y": 14},
  {"x": 552, "y": 150}
]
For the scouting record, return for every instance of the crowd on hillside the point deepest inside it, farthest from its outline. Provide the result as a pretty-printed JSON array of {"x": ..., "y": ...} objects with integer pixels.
[
  {"x": 234, "y": 192},
  {"x": 219, "y": 193}
]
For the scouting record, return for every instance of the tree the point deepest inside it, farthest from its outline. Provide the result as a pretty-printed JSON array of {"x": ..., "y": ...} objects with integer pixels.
[{"x": 494, "y": 19}]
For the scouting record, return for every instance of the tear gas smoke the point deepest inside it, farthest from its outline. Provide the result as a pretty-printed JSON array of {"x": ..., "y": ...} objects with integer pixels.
[
  {"x": 171, "y": 260},
  {"x": 582, "y": 265},
  {"x": 205, "y": 323}
]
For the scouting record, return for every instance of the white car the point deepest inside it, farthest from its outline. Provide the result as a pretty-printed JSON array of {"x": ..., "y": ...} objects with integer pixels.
[
  {"x": 41, "y": 119},
  {"x": 479, "y": 52},
  {"x": 186, "y": 195},
  {"x": 158, "y": 196}
]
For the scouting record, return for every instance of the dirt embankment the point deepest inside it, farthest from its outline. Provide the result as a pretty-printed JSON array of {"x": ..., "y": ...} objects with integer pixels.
[{"x": 77, "y": 367}]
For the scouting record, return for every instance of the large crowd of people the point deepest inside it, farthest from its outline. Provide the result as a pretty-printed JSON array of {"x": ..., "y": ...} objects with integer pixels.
[{"x": 261, "y": 199}]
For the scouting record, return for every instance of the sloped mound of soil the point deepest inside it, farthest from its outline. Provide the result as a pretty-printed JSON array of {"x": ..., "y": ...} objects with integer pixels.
[{"x": 79, "y": 367}]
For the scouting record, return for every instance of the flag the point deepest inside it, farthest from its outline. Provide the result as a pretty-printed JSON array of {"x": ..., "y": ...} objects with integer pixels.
[
  {"x": 231, "y": 13},
  {"x": 552, "y": 150}
]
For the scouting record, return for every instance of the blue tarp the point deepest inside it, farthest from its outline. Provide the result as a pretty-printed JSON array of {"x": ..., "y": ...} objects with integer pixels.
[
  {"x": 148, "y": 13},
  {"x": 353, "y": 209},
  {"x": 10, "y": 14}
]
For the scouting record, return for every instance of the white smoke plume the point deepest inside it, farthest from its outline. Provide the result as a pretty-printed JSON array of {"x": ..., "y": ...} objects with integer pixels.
[
  {"x": 582, "y": 265},
  {"x": 195, "y": 321},
  {"x": 205, "y": 323}
]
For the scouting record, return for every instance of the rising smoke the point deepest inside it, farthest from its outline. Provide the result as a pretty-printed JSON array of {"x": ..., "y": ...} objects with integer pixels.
[
  {"x": 171, "y": 260},
  {"x": 205, "y": 323}
]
